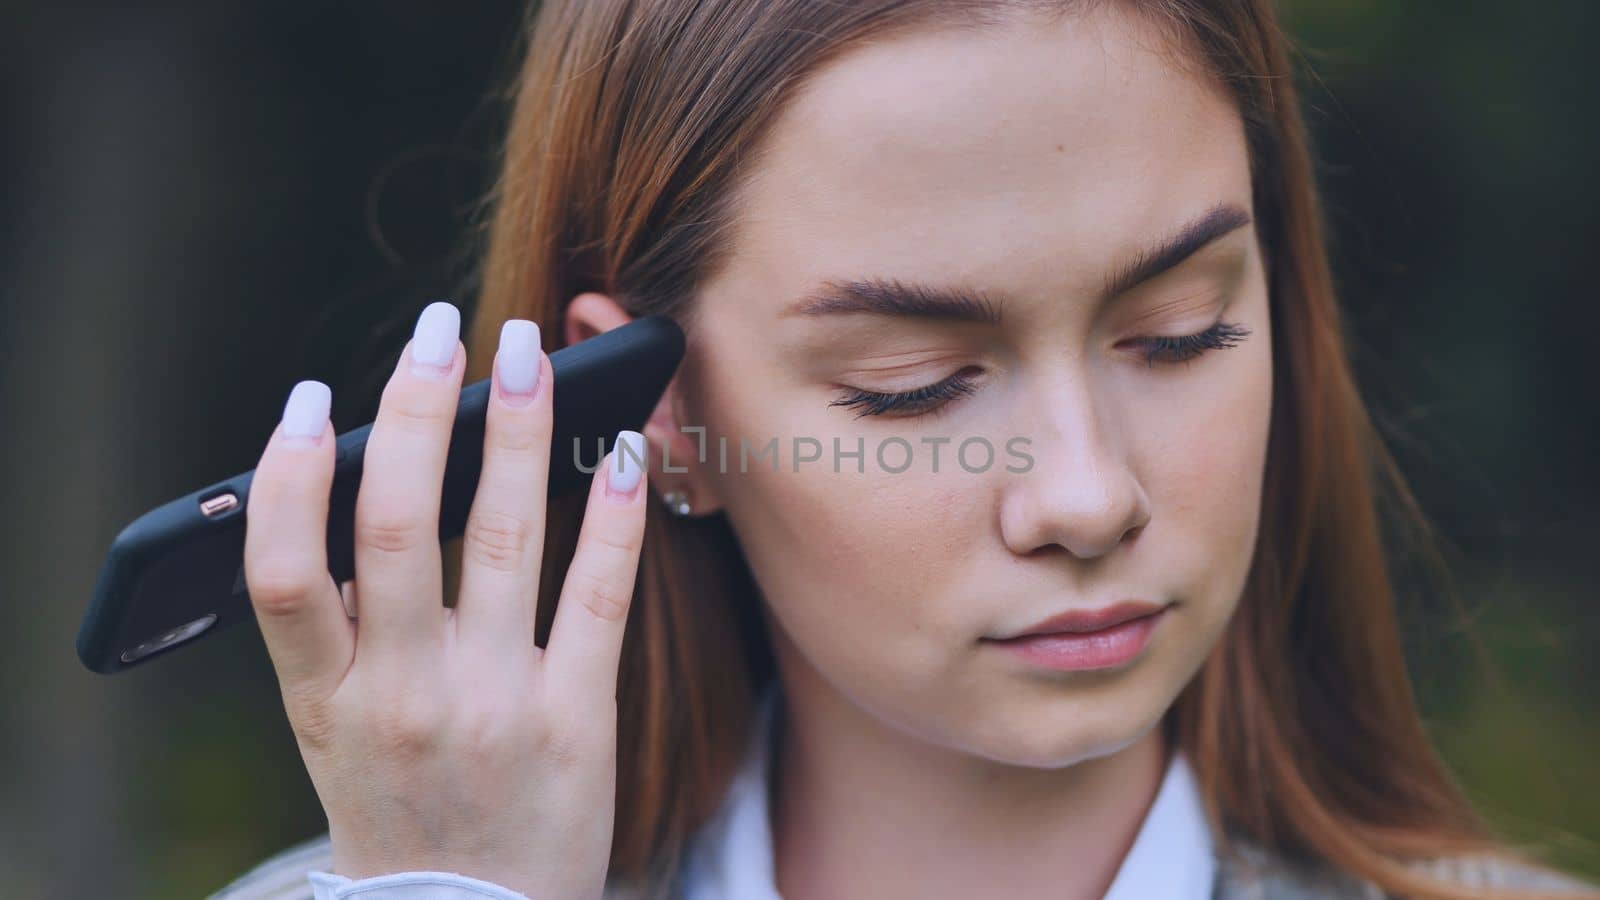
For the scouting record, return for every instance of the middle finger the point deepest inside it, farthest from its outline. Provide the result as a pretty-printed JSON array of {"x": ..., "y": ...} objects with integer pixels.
[
  {"x": 400, "y": 598},
  {"x": 504, "y": 538}
]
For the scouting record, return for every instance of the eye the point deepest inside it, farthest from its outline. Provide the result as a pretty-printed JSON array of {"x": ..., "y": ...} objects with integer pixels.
[
  {"x": 935, "y": 397},
  {"x": 915, "y": 402},
  {"x": 1186, "y": 347}
]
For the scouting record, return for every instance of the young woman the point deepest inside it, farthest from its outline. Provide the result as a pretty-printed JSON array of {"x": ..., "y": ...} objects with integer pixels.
[{"x": 1022, "y": 521}]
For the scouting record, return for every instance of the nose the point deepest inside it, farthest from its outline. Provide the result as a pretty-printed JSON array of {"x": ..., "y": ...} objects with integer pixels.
[{"x": 1081, "y": 492}]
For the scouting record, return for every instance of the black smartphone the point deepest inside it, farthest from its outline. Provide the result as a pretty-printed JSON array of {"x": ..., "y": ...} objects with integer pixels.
[{"x": 176, "y": 573}]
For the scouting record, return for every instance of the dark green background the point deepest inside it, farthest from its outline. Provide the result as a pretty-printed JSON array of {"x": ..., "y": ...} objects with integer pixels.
[{"x": 205, "y": 202}]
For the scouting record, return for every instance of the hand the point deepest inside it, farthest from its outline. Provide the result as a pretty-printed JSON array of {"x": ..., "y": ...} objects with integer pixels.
[{"x": 437, "y": 738}]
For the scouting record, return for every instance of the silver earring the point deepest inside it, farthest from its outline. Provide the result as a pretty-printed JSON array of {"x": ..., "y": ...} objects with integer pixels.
[{"x": 677, "y": 501}]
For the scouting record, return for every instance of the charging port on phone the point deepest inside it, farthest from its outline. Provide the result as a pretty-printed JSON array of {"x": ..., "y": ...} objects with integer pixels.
[{"x": 221, "y": 503}]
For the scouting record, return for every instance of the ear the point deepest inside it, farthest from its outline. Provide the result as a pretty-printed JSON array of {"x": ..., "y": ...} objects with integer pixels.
[{"x": 592, "y": 313}]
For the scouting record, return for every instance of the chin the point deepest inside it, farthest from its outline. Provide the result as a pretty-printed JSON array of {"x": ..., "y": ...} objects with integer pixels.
[{"x": 1061, "y": 729}]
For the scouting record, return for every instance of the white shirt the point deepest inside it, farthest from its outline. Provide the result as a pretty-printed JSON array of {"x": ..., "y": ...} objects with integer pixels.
[{"x": 730, "y": 856}]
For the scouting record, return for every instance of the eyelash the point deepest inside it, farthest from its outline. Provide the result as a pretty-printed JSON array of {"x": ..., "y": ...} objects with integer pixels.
[{"x": 934, "y": 397}]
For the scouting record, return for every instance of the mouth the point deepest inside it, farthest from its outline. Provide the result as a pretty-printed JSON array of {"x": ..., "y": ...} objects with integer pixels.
[{"x": 1086, "y": 639}]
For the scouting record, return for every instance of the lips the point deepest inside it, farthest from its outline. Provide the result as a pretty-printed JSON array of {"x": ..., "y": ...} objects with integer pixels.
[{"x": 1084, "y": 621}]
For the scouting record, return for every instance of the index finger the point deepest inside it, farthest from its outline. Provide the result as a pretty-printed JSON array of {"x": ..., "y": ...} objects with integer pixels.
[{"x": 298, "y": 607}]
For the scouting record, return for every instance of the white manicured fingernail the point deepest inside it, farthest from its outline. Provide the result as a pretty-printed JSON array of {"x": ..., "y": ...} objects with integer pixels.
[
  {"x": 438, "y": 330},
  {"x": 306, "y": 412},
  {"x": 628, "y": 459},
  {"x": 518, "y": 358}
]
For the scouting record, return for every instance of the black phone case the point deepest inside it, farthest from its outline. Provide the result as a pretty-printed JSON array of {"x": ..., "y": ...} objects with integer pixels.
[{"x": 177, "y": 568}]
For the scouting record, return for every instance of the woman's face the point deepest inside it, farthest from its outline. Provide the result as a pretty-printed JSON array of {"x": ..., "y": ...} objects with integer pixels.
[{"x": 1037, "y": 165}]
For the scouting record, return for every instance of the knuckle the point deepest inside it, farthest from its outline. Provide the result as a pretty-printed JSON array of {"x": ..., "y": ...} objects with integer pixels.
[
  {"x": 484, "y": 733},
  {"x": 602, "y": 597},
  {"x": 389, "y": 532},
  {"x": 564, "y": 744},
  {"x": 523, "y": 439},
  {"x": 278, "y": 585},
  {"x": 409, "y": 409},
  {"x": 621, "y": 542},
  {"x": 408, "y": 730},
  {"x": 498, "y": 540}
]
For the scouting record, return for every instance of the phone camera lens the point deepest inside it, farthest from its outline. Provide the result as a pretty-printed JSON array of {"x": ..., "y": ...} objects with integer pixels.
[{"x": 175, "y": 636}]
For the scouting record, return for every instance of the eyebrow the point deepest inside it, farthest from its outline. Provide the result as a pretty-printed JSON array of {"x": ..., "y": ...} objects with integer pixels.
[{"x": 895, "y": 297}]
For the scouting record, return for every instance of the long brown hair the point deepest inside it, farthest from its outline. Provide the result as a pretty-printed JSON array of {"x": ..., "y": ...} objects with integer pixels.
[{"x": 629, "y": 122}]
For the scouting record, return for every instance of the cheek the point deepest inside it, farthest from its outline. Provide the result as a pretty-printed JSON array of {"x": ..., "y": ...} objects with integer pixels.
[
  {"x": 875, "y": 550},
  {"x": 1204, "y": 471},
  {"x": 1211, "y": 471},
  {"x": 868, "y": 549}
]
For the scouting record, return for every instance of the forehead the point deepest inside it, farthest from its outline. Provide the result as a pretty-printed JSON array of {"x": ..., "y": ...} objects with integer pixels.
[{"x": 1003, "y": 155}]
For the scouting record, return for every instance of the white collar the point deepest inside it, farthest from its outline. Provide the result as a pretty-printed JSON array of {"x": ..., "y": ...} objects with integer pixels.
[{"x": 730, "y": 857}]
